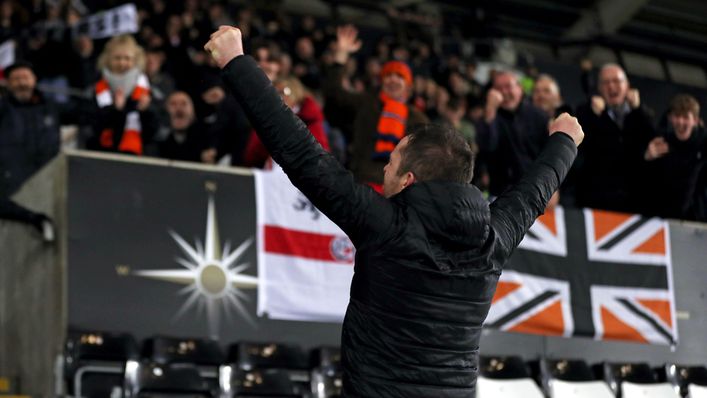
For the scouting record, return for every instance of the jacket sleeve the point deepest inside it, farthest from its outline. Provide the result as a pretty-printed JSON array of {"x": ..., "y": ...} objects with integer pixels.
[
  {"x": 513, "y": 213},
  {"x": 356, "y": 209},
  {"x": 344, "y": 101}
]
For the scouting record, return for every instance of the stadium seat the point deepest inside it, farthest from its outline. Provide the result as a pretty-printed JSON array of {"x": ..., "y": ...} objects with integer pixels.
[
  {"x": 507, "y": 388},
  {"x": 697, "y": 391},
  {"x": 580, "y": 389},
  {"x": 326, "y": 377},
  {"x": 165, "y": 380},
  {"x": 505, "y": 377},
  {"x": 205, "y": 354},
  {"x": 236, "y": 382},
  {"x": 267, "y": 369},
  {"x": 571, "y": 378},
  {"x": 683, "y": 376},
  {"x": 499, "y": 367},
  {"x": 326, "y": 383},
  {"x": 652, "y": 390},
  {"x": 248, "y": 355},
  {"x": 162, "y": 349},
  {"x": 94, "y": 362},
  {"x": 325, "y": 357},
  {"x": 629, "y": 380}
]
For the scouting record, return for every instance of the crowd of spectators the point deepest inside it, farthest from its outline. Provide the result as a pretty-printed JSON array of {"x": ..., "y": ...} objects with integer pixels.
[{"x": 158, "y": 93}]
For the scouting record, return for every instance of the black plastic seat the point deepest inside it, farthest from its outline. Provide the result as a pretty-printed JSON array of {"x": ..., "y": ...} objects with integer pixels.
[
  {"x": 268, "y": 369},
  {"x": 681, "y": 376},
  {"x": 205, "y": 354},
  {"x": 503, "y": 367},
  {"x": 248, "y": 355},
  {"x": 266, "y": 383},
  {"x": 616, "y": 373},
  {"x": 326, "y": 383},
  {"x": 325, "y": 357},
  {"x": 505, "y": 376},
  {"x": 326, "y": 372},
  {"x": 94, "y": 361},
  {"x": 143, "y": 379},
  {"x": 165, "y": 349},
  {"x": 565, "y": 370}
]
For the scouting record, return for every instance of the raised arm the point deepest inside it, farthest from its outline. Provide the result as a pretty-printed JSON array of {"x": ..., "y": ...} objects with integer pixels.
[
  {"x": 357, "y": 209},
  {"x": 518, "y": 207},
  {"x": 345, "y": 101}
]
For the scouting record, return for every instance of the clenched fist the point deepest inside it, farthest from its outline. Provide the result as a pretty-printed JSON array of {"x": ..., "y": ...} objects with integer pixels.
[
  {"x": 657, "y": 148},
  {"x": 598, "y": 105},
  {"x": 225, "y": 44},
  {"x": 633, "y": 98},
  {"x": 494, "y": 98},
  {"x": 568, "y": 125}
]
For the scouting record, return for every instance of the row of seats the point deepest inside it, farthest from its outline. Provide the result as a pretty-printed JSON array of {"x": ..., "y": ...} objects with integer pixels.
[
  {"x": 512, "y": 377},
  {"x": 113, "y": 365},
  {"x": 103, "y": 365}
]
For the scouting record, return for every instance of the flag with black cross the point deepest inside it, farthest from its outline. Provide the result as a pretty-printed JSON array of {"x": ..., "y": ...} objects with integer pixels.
[{"x": 590, "y": 273}]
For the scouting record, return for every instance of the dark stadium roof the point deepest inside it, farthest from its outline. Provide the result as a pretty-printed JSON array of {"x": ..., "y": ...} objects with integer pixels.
[{"x": 668, "y": 29}]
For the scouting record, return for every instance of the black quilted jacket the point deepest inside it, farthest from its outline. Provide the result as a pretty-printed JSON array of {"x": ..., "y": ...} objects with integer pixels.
[{"x": 427, "y": 260}]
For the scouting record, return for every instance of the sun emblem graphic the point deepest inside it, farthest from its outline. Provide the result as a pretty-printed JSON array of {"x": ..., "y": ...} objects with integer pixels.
[{"x": 214, "y": 276}]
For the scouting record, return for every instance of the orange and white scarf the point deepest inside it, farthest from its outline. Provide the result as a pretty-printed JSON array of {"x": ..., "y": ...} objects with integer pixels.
[
  {"x": 391, "y": 127},
  {"x": 131, "y": 138}
]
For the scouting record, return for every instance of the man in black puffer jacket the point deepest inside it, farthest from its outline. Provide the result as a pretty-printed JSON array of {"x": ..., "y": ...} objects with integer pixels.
[{"x": 429, "y": 253}]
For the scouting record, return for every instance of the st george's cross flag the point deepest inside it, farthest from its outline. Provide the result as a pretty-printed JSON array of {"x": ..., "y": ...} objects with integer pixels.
[
  {"x": 585, "y": 273},
  {"x": 305, "y": 262}
]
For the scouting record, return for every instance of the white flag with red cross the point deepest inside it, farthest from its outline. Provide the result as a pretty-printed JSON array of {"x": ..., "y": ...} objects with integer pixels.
[{"x": 305, "y": 262}]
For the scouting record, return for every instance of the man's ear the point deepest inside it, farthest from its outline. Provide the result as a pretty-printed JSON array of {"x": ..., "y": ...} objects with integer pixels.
[{"x": 409, "y": 179}]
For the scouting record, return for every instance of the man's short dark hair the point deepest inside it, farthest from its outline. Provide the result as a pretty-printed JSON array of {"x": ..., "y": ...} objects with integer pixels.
[
  {"x": 436, "y": 152},
  {"x": 18, "y": 65}
]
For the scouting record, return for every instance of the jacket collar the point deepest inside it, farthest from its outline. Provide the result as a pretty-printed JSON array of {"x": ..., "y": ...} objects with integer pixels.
[{"x": 453, "y": 214}]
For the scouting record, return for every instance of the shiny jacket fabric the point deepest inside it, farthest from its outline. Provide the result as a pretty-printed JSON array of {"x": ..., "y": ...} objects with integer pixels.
[{"x": 427, "y": 259}]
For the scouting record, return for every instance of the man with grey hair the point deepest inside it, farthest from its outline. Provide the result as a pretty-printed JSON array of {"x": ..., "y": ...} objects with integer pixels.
[
  {"x": 547, "y": 97},
  {"x": 511, "y": 134},
  {"x": 618, "y": 129}
]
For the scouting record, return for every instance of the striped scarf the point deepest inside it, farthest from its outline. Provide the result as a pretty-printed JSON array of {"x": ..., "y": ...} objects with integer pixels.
[
  {"x": 391, "y": 127},
  {"x": 130, "y": 141}
]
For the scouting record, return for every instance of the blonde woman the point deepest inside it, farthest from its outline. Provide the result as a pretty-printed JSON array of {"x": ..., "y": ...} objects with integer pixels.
[{"x": 124, "y": 120}]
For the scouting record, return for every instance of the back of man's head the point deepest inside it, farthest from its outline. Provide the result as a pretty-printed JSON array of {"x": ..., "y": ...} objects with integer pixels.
[{"x": 435, "y": 152}]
